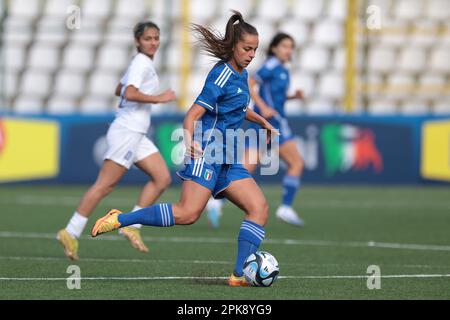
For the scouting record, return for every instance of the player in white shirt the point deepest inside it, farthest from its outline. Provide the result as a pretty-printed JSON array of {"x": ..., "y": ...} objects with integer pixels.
[{"x": 127, "y": 142}]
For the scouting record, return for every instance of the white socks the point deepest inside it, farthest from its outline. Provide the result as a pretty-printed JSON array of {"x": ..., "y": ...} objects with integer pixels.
[
  {"x": 214, "y": 204},
  {"x": 76, "y": 225},
  {"x": 78, "y": 222},
  {"x": 137, "y": 226}
]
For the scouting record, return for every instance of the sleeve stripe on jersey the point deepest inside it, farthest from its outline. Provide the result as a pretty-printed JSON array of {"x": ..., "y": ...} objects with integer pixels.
[
  {"x": 221, "y": 75},
  {"x": 205, "y": 104},
  {"x": 222, "y": 83}
]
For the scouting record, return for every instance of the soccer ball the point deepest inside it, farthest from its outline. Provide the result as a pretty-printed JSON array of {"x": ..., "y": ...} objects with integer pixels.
[{"x": 261, "y": 269}]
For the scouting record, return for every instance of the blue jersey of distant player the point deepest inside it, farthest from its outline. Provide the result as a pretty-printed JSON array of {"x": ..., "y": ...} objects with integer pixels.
[
  {"x": 226, "y": 97},
  {"x": 273, "y": 79}
]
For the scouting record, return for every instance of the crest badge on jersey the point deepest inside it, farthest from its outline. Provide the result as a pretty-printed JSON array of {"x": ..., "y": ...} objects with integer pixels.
[{"x": 208, "y": 175}]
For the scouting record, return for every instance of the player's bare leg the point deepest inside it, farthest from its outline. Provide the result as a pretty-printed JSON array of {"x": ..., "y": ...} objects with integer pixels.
[
  {"x": 186, "y": 211},
  {"x": 249, "y": 198},
  {"x": 109, "y": 175},
  {"x": 247, "y": 195},
  {"x": 154, "y": 166},
  {"x": 214, "y": 207},
  {"x": 251, "y": 159},
  {"x": 193, "y": 200}
]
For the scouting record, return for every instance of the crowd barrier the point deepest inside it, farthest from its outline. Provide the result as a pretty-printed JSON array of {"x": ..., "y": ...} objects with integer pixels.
[{"x": 338, "y": 149}]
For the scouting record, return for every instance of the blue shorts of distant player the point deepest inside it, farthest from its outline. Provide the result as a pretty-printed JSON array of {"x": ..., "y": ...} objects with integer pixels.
[{"x": 279, "y": 123}]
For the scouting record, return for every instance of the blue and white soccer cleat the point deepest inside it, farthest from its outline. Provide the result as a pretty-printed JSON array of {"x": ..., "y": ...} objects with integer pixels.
[{"x": 288, "y": 215}]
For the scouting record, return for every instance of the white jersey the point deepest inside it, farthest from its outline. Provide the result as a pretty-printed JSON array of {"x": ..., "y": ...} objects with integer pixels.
[{"x": 141, "y": 74}]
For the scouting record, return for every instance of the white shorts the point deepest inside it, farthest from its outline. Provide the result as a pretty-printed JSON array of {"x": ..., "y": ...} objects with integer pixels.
[{"x": 126, "y": 147}]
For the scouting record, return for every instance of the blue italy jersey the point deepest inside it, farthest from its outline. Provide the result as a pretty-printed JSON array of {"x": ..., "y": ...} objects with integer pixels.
[
  {"x": 226, "y": 97},
  {"x": 273, "y": 79}
]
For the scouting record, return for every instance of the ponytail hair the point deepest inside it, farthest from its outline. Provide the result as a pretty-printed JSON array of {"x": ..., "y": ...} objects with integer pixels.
[{"x": 220, "y": 46}]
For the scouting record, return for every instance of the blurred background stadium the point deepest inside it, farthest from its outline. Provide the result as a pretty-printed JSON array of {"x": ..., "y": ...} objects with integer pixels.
[
  {"x": 364, "y": 59},
  {"x": 346, "y": 60},
  {"x": 376, "y": 81}
]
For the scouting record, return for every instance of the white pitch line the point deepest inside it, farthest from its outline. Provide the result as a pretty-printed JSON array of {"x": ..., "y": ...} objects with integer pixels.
[
  {"x": 398, "y": 276},
  {"x": 115, "y": 260},
  {"x": 329, "y": 203},
  {"x": 208, "y": 240},
  {"x": 109, "y": 260}
]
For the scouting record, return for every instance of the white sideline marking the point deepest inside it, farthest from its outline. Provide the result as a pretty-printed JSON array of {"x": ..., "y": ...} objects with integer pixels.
[
  {"x": 329, "y": 203},
  {"x": 324, "y": 243},
  {"x": 115, "y": 260},
  {"x": 108, "y": 260},
  {"x": 224, "y": 278}
]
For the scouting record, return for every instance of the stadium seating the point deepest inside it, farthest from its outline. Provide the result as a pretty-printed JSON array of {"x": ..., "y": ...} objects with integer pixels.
[
  {"x": 404, "y": 66},
  {"x": 61, "y": 105},
  {"x": 309, "y": 11},
  {"x": 69, "y": 84},
  {"x": 78, "y": 58},
  {"x": 43, "y": 57},
  {"x": 269, "y": 10},
  {"x": 51, "y": 30},
  {"x": 29, "y": 105},
  {"x": 99, "y": 9},
  {"x": 130, "y": 9},
  {"x": 15, "y": 57},
  {"x": 35, "y": 83},
  {"x": 202, "y": 11},
  {"x": 57, "y": 8},
  {"x": 92, "y": 104},
  {"x": 25, "y": 9},
  {"x": 112, "y": 57}
]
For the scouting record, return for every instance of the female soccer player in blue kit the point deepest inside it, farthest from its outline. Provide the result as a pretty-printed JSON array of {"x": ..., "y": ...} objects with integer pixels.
[
  {"x": 222, "y": 104},
  {"x": 273, "y": 81}
]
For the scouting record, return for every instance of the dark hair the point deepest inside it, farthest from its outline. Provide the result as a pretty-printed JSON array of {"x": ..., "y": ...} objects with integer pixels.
[
  {"x": 276, "y": 41},
  {"x": 220, "y": 46},
  {"x": 141, "y": 27}
]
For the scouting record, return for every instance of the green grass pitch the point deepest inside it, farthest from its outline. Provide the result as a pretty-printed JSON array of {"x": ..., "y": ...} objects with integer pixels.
[{"x": 403, "y": 230}]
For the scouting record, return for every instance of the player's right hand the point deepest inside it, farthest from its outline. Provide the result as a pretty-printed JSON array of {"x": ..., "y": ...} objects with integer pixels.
[{"x": 195, "y": 150}]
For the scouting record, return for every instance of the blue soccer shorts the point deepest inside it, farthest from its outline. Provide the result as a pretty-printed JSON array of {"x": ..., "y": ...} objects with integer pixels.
[{"x": 215, "y": 177}]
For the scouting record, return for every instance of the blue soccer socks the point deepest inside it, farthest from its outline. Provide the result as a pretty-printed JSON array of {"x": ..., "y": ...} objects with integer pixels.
[
  {"x": 158, "y": 215},
  {"x": 250, "y": 237},
  {"x": 291, "y": 184}
]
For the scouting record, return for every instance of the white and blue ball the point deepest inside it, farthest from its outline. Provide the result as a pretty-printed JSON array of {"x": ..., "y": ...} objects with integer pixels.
[{"x": 261, "y": 269}]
